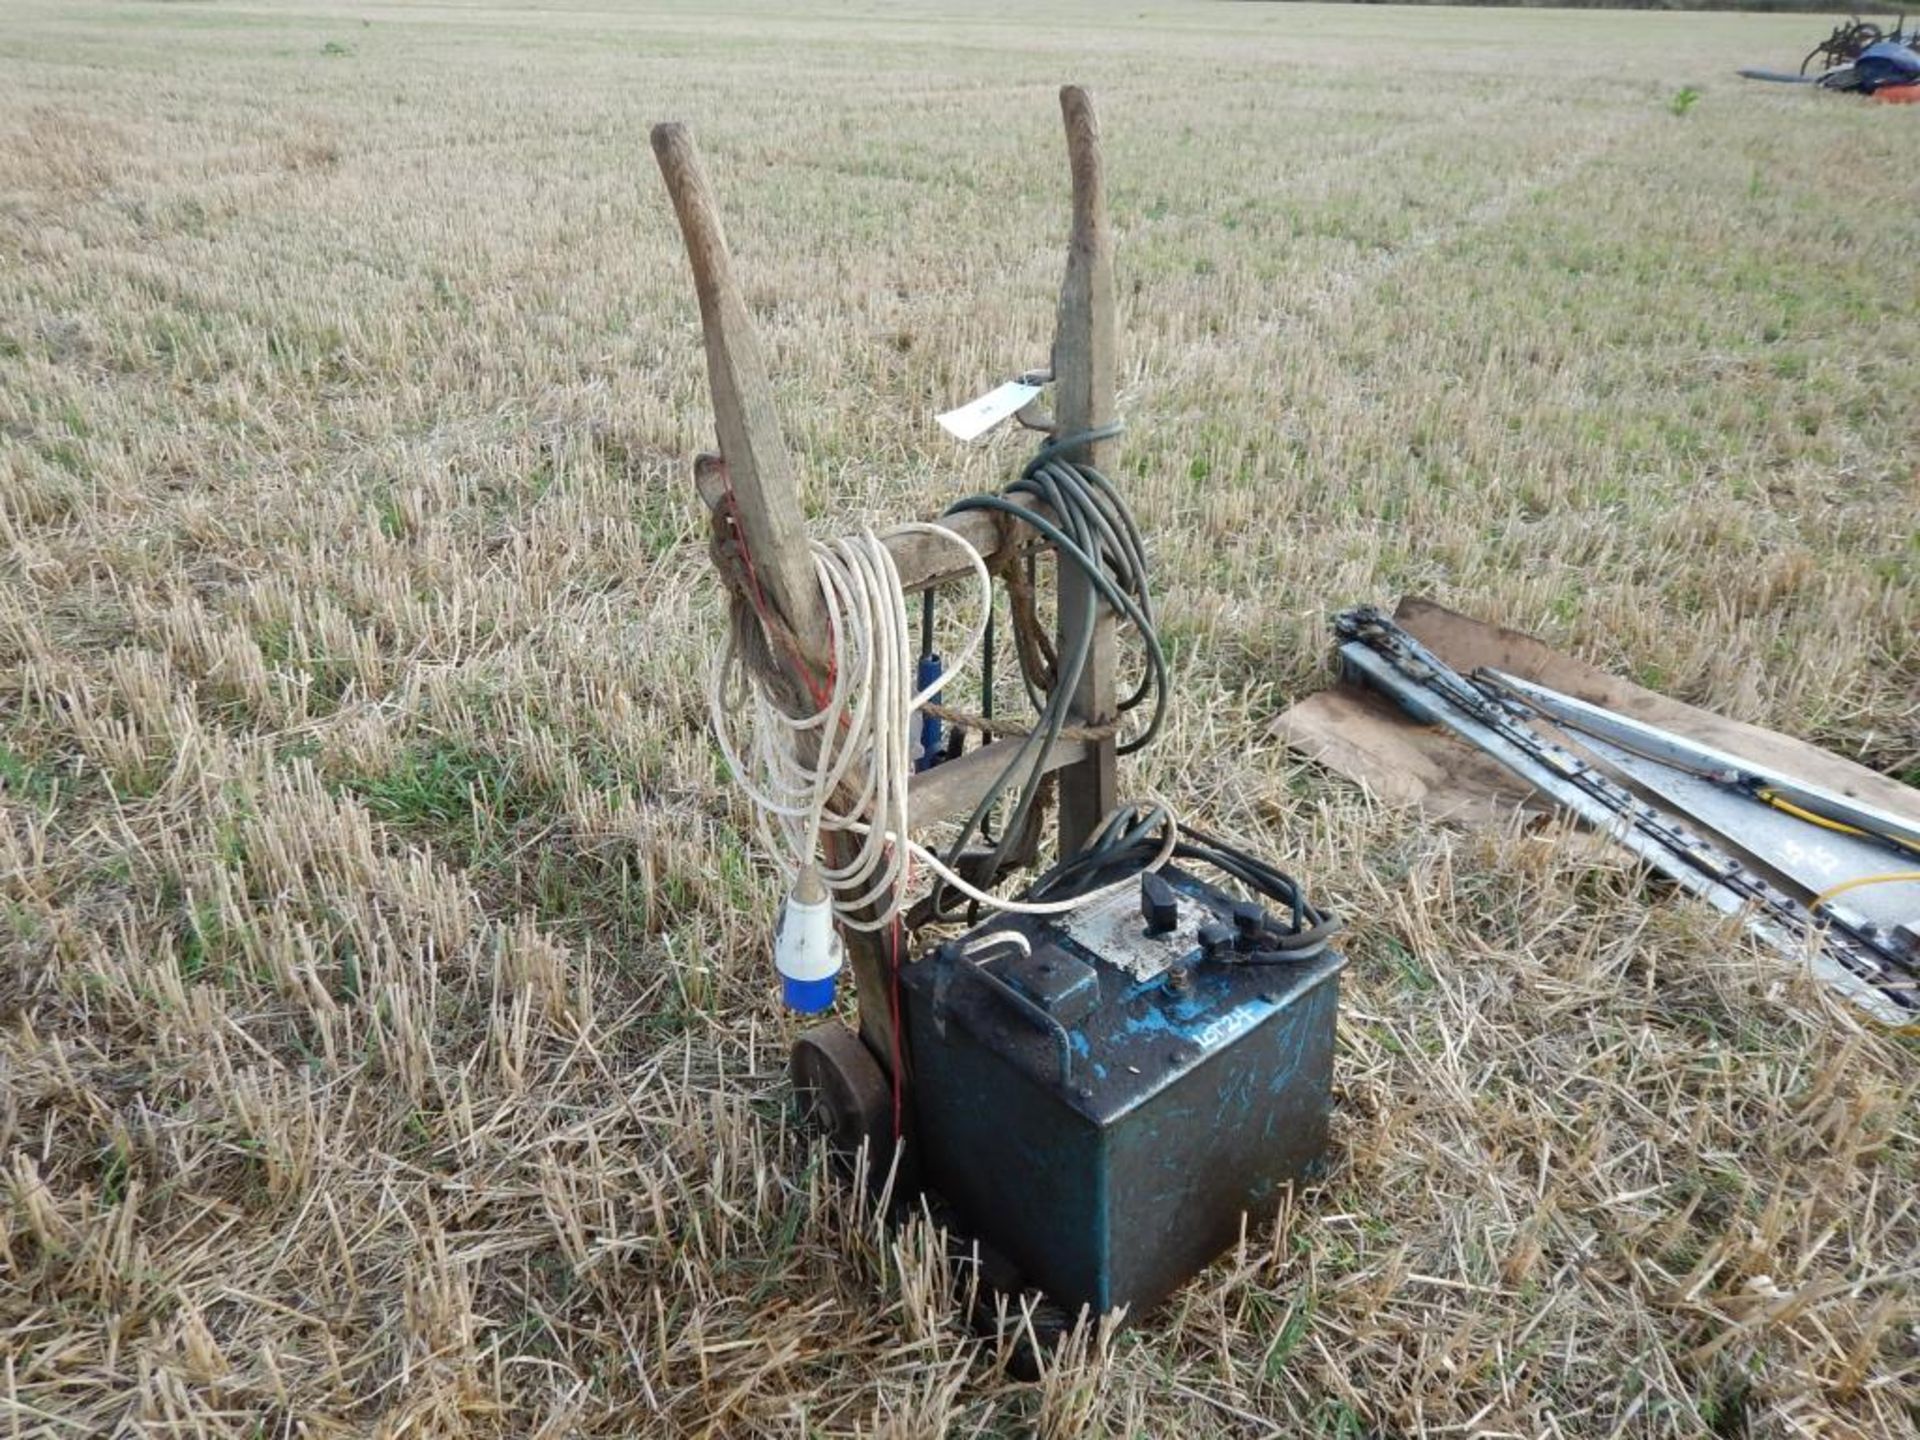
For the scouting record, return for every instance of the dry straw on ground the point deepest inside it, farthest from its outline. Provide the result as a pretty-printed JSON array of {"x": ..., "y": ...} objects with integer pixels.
[{"x": 386, "y": 1043}]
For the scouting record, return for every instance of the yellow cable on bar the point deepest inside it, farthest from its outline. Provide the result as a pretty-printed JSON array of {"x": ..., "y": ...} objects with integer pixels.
[
  {"x": 1858, "y": 882},
  {"x": 1777, "y": 802},
  {"x": 1809, "y": 816}
]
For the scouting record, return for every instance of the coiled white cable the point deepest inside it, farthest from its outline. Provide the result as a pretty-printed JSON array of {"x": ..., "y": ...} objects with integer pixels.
[{"x": 797, "y": 765}]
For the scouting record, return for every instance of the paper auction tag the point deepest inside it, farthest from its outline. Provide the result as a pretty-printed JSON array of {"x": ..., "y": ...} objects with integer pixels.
[{"x": 977, "y": 417}]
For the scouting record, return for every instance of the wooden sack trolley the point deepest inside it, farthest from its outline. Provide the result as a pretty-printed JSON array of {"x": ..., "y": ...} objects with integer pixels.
[{"x": 851, "y": 1082}]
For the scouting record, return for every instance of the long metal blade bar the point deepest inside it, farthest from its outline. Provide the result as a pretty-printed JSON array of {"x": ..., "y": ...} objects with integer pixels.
[
  {"x": 1687, "y": 754},
  {"x": 1379, "y": 653}
]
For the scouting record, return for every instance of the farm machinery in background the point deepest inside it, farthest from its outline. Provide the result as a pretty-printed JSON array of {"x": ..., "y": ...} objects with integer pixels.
[
  {"x": 1850, "y": 41},
  {"x": 1862, "y": 58}
]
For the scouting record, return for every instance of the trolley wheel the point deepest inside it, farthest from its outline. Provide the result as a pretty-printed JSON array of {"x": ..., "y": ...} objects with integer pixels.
[
  {"x": 1033, "y": 1347},
  {"x": 839, "y": 1087},
  {"x": 1005, "y": 1307}
]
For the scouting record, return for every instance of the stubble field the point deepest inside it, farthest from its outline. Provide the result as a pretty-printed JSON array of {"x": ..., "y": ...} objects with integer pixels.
[{"x": 387, "y": 1043}]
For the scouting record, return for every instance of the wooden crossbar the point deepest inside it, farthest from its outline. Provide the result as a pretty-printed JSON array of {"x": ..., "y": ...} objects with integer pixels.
[{"x": 955, "y": 787}]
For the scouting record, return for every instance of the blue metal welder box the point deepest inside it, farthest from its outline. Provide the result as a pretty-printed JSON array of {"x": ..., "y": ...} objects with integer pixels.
[{"x": 1105, "y": 1107}]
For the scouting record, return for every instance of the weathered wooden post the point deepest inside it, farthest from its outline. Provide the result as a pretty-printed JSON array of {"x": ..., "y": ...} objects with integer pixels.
[
  {"x": 755, "y": 476},
  {"x": 1083, "y": 369},
  {"x": 757, "y": 468}
]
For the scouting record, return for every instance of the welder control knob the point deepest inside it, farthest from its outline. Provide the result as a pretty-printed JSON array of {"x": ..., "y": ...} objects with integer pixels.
[
  {"x": 1249, "y": 925},
  {"x": 1215, "y": 938},
  {"x": 1157, "y": 904}
]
